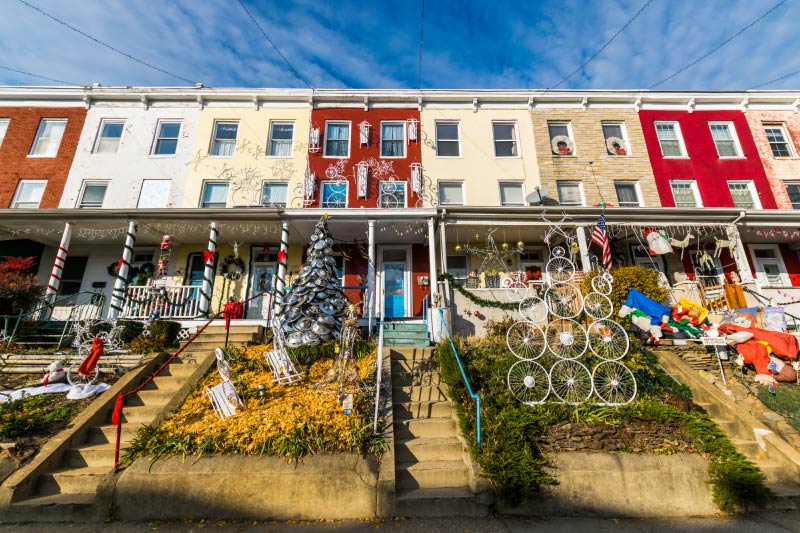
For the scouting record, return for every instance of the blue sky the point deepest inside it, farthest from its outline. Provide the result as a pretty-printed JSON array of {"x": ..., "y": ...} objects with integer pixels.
[{"x": 468, "y": 44}]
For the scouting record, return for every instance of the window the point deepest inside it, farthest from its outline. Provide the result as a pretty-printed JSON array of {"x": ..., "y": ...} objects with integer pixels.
[
  {"x": 744, "y": 194},
  {"x": 685, "y": 193},
  {"x": 570, "y": 192},
  {"x": 196, "y": 267},
  {"x": 275, "y": 194},
  {"x": 224, "y": 142},
  {"x": 778, "y": 140},
  {"x": 505, "y": 139},
  {"x": 72, "y": 275},
  {"x": 709, "y": 275},
  {"x": 281, "y": 136},
  {"x": 108, "y": 137},
  {"x": 770, "y": 268},
  {"x": 447, "y": 140},
  {"x": 561, "y": 146},
  {"x": 451, "y": 193},
  {"x": 669, "y": 137},
  {"x": 48, "y": 137},
  {"x": 3, "y": 128},
  {"x": 334, "y": 195},
  {"x": 458, "y": 267},
  {"x": 93, "y": 194},
  {"x": 614, "y": 135},
  {"x": 627, "y": 193},
  {"x": 794, "y": 194},
  {"x": 531, "y": 261},
  {"x": 29, "y": 194},
  {"x": 393, "y": 139},
  {"x": 392, "y": 195},
  {"x": 154, "y": 194},
  {"x": 511, "y": 194},
  {"x": 166, "y": 138},
  {"x": 215, "y": 194},
  {"x": 724, "y": 136},
  {"x": 337, "y": 139},
  {"x": 641, "y": 257}
]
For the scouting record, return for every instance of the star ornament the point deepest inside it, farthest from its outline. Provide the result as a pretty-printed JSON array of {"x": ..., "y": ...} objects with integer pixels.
[{"x": 493, "y": 258}]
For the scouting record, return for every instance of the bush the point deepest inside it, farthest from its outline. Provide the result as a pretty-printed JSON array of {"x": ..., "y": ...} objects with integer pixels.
[
  {"x": 148, "y": 344},
  {"x": 644, "y": 280},
  {"x": 129, "y": 330},
  {"x": 167, "y": 329},
  {"x": 19, "y": 287}
]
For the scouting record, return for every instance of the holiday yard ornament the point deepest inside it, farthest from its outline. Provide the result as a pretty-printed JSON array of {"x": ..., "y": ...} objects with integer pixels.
[
  {"x": 223, "y": 397},
  {"x": 657, "y": 242},
  {"x": 208, "y": 256},
  {"x": 494, "y": 260},
  {"x": 562, "y": 145},
  {"x": 616, "y": 146},
  {"x": 730, "y": 244},
  {"x": 683, "y": 243},
  {"x": 87, "y": 371},
  {"x": 55, "y": 372},
  {"x": 313, "y": 140},
  {"x": 363, "y": 133},
  {"x": 705, "y": 261},
  {"x": 283, "y": 369}
]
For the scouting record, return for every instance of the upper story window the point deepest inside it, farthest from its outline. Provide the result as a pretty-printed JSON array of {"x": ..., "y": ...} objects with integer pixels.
[
  {"x": 274, "y": 194},
  {"x": 224, "y": 142},
  {"x": 505, "y": 139},
  {"x": 393, "y": 139},
  {"x": 685, "y": 193},
  {"x": 3, "y": 128},
  {"x": 108, "y": 136},
  {"x": 570, "y": 192},
  {"x": 669, "y": 137},
  {"x": 448, "y": 143},
  {"x": 451, "y": 193},
  {"x": 154, "y": 194},
  {"x": 337, "y": 139},
  {"x": 93, "y": 194},
  {"x": 724, "y": 136},
  {"x": 627, "y": 193},
  {"x": 215, "y": 194},
  {"x": 561, "y": 141},
  {"x": 334, "y": 194},
  {"x": 769, "y": 264},
  {"x": 48, "y": 137},
  {"x": 778, "y": 140},
  {"x": 744, "y": 194},
  {"x": 392, "y": 194},
  {"x": 29, "y": 194},
  {"x": 511, "y": 194},
  {"x": 167, "y": 132},
  {"x": 793, "y": 189},
  {"x": 614, "y": 134},
  {"x": 281, "y": 138}
]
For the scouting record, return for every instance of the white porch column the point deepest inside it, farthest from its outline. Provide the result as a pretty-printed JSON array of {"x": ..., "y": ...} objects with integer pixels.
[
  {"x": 121, "y": 280},
  {"x": 432, "y": 263},
  {"x": 208, "y": 272},
  {"x": 740, "y": 255},
  {"x": 280, "y": 282},
  {"x": 58, "y": 264},
  {"x": 584, "y": 248},
  {"x": 371, "y": 300},
  {"x": 442, "y": 247}
]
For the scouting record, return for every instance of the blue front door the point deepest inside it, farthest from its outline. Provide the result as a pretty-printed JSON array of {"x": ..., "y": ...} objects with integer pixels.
[{"x": 394, "y": 286}]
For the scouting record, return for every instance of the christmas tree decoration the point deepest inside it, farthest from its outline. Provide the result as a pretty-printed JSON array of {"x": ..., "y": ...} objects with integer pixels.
[
  {"x": 458, "y": 248},
  {"x": 520, "y": 244}
]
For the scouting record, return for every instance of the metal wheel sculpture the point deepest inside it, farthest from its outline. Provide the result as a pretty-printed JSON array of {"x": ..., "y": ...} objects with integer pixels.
[
  {"x": 597, "y": 306},
  {"x": 565, "y": 338},
  {"x": 571, "y": 381},
  {"x": 525, "y": 340},
  {"x": 602, "y": 283},
  {"x": 614, "y": 383},
  {"x": 76, "y": 378},
  {"x": 608, "y": 340},
  {"x": 528, "y": 382},
  {"x": 559, "y": 268},
  {"x": 515, "y": 289},
  {"x": 533, "y": 309},
  {"x": 563, "y": 300}
]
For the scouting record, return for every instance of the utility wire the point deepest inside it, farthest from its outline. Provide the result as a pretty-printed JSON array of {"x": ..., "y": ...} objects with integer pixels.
[
  {"x": 723, "y": 43},
  {"x": 102, "y": 43},
  {"x": 605, "y": 45},
  {"x": 40, "y": 77},
  {"x": 421, "y": 34},
  {"x": 776, "y": 80},
  {"x": 264, "y": 33}
]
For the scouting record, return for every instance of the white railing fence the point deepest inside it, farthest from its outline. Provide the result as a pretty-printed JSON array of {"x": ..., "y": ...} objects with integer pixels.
[{"x": 182, "y": 301}]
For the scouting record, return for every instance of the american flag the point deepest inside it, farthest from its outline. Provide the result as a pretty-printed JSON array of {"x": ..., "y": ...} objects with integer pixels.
[{"x": 600, "y": 238}]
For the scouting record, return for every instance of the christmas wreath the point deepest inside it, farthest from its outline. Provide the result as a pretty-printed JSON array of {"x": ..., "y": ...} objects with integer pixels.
[
  {"x": 139, "y": 273},
  {"x": 562, "y": 145},
  {"x": 616, "y": 146},
  {"x": 232, "y": 267}
]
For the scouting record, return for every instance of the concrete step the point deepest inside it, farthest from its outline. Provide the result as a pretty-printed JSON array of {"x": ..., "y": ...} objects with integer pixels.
[
  {"x": 440, "y": 409},
  {"x": 76, "y": 501},
  {"x": 178, "y": 370},
  {"x": 72, "y": 480},
  {"x": 786, "y": 496},
  {"x": 425, "y": 428},
  {"x": 90, "y": 455},
  {"x": 143, "y": 414},
  {"x": 776, "y": 473},
  {"x": 458, "y": 501},
  {"x": 410, "y": 353},
  {"x": 711, "y": 408},
  {"x": 107, "y": 434},
  {"x": 219, "y": 338},
  {"x": 252, "y": 330},
  {"x": 408, "y": 379},
  {"x": 418, "y": 393},
  {"x": 428, "y": 449},
  {"x": 431, "y": 475},
  {"x": 749, "y": 448},
  {"x": 151, "y": 397},
  {"x": 406, "y": 343},
  {"x": 423, "y": 365}
]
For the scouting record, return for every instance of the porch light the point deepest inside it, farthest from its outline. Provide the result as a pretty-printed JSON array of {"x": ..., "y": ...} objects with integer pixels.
[
  {"x": 363, "y": 131},
  {"x": 362, "y": 172}
]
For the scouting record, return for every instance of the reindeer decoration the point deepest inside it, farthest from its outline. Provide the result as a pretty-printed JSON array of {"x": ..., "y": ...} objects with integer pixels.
[
  {"x": 683, "y": 243},
  {"x": 724, "y": 243}
]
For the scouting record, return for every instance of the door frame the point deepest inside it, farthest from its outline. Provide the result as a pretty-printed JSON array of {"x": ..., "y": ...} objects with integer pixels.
[
  {"x": 407, "y": 278},
  {"x": 251, "y": 270}
]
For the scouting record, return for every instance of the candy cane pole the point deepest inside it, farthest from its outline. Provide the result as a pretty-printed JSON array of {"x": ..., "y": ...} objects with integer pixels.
[
  {"x": 121, "y": 281},
  {"x": 58, "y": 265},
  {"x": 283, "y": 255},
  {"x": 208, "y": 272}
]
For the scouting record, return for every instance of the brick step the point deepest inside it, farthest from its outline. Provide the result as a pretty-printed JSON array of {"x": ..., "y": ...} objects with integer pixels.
[
  {"x": 418, "y": 394},
  {"x": 424, "y": 428},
  {"x": 428, "y": 449},
  {"x": 423, "y": 409},
  {"x": 432, "y": 475},
  {"x": 458, "y": 501},
  {"x": 73, "y": 480}
]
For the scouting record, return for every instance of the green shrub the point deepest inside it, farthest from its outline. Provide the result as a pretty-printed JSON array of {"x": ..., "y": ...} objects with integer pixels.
[
  {"x": 130, "y": 329},
  {"x": 167, "y": 329},
  {"x": 644, "y": 280}
]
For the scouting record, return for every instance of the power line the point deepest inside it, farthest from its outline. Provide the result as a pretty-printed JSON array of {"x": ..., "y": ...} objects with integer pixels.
[
  {"x": 776, "y": 80},
  {"x": 723, "y": 43},
  {"x": 102, "y": 43},
  {"x": 285, "y": 60},
  {"x": 421, "y": 34},
  {"x": 40, "y": 77},
  {"x": 605, "y": 45}
]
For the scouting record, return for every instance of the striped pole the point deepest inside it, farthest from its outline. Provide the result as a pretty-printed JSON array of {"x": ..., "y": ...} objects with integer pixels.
[
  {"x": 58, "y": 264},
  {"x": 121, "y": 281},
  {"x": 370, "y": 273},
  {"x": 433, "y": 280},
  {"x": 208, "y": 272},
  {"x": 280, "y": 283}
]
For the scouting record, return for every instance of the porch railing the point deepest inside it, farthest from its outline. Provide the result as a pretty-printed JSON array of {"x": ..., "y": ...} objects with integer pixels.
[
  {"x": 378, "y": 373},
  {"x": 180, "y": 301},
  {"x": 80, "y": 306}
]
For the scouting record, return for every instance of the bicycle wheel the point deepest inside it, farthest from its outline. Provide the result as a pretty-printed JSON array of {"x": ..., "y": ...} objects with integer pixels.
[
  {"x": 563, "y": 300},
  {"x": 533, "y": 309},
  {"x": 602, "y": 283},
  {"x": 74, "y": 378},
  {"x": 571, "y": 382},
  {"x": 528, "y": 382},
  {"x": 560, "y": 269},
  {"x": 525, "y": 340},
  {"x": 614, "y": 383},
  {"x": 516, "y": 290},
  {"x": 597, "y": 306},
  {"x": 608, "y": 340},
  {"x": 565, "y": 338}
]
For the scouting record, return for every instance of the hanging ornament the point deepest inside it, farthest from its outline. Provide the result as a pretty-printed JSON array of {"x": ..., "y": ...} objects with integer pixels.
[
  {"x": 657, "y": 242},
  {"x": 520, "y": 244},
  {"x": 505, "y": 246},
  {"x": 166, "y": 243},
  {"x": 458, "y": 248}
]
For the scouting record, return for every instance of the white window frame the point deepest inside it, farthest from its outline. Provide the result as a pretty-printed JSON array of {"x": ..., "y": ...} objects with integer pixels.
[
  {"x": 734, "y": 135},
  {"x": 623, "y": 129},
  {"x": 781, "y": 126},
  {"x": 516, "y": 139},
  {"x": 214, "y": 182},
  {"x": 521, "y": 186},
  {"x": 80, "y": 205},
  {"x": 678, "y": 133},
  {"x": 99, "y": 136},
  {"x": 274, "y": 182},
  {"x": 637, "y": 187},
  {"x": 777, "y": 261},
  {"x": 19, "y": 190},
  {"x": 753, "y": 192},
  {"x": 449, "y": 182},
  {"x": 333, "y": 182},
  {"x": 580, "y": 190},
  {"x": 436, "y": 139},
  {"x": 795, "y": 184},
  {"x": 641, "y": 257},
  {"x": 36, "y": 139},
  {"x": 349, "y": 139},
  {"x": 570, "y": 134},
  {"x": 405, "y": 194},
  {"x": 214, "y": 138},
  {"x": 401, "y": 123},
  {"x": 269, "y": 139},
  {"x": 698, "y": 202},
  {"x": 4, "y": 130},
  {"x": 157, "y": 136}
]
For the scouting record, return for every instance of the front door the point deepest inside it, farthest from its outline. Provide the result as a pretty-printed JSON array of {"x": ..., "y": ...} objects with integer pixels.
[
  {"x": 396, "y": 286},
  {"x": 262, "y": 278}
]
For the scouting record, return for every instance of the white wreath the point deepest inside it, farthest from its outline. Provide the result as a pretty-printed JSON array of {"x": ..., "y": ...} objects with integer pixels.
[
  {"x": 555, "y": 141},
  {"x": 611, "y": 141}
]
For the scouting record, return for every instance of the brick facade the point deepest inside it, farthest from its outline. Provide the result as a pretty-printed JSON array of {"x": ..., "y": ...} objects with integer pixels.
[
  {"x": 778, "y": 169},
  {"x": 15, "y": 165},
  {"x": 591, "y": 163}
]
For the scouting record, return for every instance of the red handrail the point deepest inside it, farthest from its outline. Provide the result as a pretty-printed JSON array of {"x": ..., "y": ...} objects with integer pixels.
[{"x": 116, "y": 416}]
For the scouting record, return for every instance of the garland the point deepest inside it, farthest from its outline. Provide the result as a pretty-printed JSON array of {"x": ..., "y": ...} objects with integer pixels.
[
  {"x": 477, "y": 299},
  {"x": 160, "y": 294},
  {"x": 147, "y": 268},
  {"x": 231, "y": 260}
]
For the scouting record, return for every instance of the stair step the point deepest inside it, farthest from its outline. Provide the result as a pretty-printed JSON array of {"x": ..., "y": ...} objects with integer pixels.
[
  {"x": 453, "y": 501},
  {"x": 90, "y": 455},
  {"x": 432, "y": 475},
  {"x": 750, "y": 448},
  {"x": 74, "y": 499},
  {"x": 428, "y": 449},
  {"x": 409, "y": 379},
  {"x": 425, "y": 409},
  {"x": 151, "y": 397},
  {"x": 407, "y": 343},
  {"x": 80, "y": 480},
  {"x": 251, "y": 330},
  {"x": 711, "y": 408},
  {"x": 220, "y": 337},
  {"x": 777, "y": 473},
  {"x": 418, "y": 393},
  {"x": 424, "y": 428},
  {"x": 424, "y": 365},
  {"x": 411, "y": 354},
  {"x": 108, "y": 434}
]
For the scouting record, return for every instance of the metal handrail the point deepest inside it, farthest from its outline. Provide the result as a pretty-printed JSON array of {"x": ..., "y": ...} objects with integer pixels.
[
  {"x": 378, "y": 373},
  {"x": 425, "y": 302},
  {"x": 18, "y": 318},
  {"x": 82, "y": 314},
  {"x": 472, "y": 395}
]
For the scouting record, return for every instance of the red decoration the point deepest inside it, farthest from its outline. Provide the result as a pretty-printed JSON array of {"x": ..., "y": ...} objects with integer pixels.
[
  {"x": 232, "y": 310},
  {"x": 620, "y": 151},
  {"x": 477, "y": 313},
  {"x": 88, "y": 365},
  {"x": 564, "y": 150},
  {"x": 208, "y": 256},
  {"x": 166, "y": 242},
  {"x": 282, "y": 255},
  {"x": 120, "y": 263}
]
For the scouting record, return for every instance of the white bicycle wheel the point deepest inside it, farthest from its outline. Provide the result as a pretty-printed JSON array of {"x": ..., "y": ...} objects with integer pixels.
[
  {"x": 563, "y": 300},
  {"x": 597, "y": 306},
  {"x": 525, "y": 340},
  {"x": 516, "y": 290},
  {"x": 74, "y": 378},
  {"x": 608, "y": 340},
  {"x": 560, "y": 269},
  {"x": 614, "y": 383},
  {"x": 565, "y": 338},
  {"x": 528, "y": 382},
  {"x": 533, "y": 309},
  {"x": 571, "y": 382},
  {"x": 602, "y": 283}
]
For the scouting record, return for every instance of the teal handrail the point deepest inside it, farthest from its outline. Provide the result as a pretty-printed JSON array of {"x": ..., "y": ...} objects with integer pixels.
[
  {"x": 72, "y": 298},
  {"x": 472, "y": 395}
]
